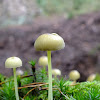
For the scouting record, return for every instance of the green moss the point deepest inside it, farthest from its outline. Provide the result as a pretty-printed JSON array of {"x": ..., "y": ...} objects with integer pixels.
[{"x": 62, "y": 89}]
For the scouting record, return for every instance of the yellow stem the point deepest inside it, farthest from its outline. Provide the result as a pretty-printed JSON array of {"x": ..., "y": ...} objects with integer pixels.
[
  {"x": 50, "y": 95},
  {"x": 15, "y": 83}
]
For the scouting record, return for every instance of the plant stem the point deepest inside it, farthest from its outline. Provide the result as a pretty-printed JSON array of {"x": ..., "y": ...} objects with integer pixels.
[
  {"x": 55, "y": 76},
  {"x": 50, "y": 95},
  {"x": 44, "y": 68},
  {"x": 34, "y": 73},
  {"x": 15, "y": 83}
]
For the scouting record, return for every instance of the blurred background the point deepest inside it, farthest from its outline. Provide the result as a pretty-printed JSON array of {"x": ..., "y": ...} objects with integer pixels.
[{"x": 77, "y": 21}]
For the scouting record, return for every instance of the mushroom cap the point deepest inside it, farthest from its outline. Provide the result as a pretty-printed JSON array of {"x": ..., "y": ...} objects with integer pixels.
[
  {"x": 56, "y": 72},
  {"x": 43, "y": 61},
  {"x": 91, "y": 77},
  {"x": 74, "y": 75},
  {"x": 19, "y": 72},
  {"x": 13, "y": 62},
  {"x": 49, "y": 42}
]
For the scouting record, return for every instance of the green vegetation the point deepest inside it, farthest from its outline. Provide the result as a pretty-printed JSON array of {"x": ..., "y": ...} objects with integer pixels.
[
  {"x": 62, "y": 88},
  {"x": 68, "y": 7}
]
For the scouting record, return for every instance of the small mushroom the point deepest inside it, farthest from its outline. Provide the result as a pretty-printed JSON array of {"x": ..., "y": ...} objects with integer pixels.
[
  {"x": 14, "y": 62},
  {"x": 74, "y": 75},
  {"x": 49, "y": 42},
  {"x": 19, "y": 72},
  {"x": 56, "y": 72},
  {"x": 43, "y": 61},
  {"x": 91, "y": 77}
]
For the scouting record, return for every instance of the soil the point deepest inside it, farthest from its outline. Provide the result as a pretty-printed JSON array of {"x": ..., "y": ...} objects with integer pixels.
[{"x": 81, "y": 35}]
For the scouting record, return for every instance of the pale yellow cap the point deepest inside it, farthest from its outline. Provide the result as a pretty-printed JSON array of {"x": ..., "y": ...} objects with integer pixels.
[
  {"x": 13, "y": 62},
  {"x": 91, "y": 77},
  {"x": 74, "y": 75},
  {"x": 43, "y": 61},
  {"x": 56, "y": 72},
  {"x": 49, "y": 42}
]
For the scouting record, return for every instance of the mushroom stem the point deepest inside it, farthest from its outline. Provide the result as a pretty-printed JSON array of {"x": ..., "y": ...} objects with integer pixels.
[
  {"x": 44, "y": 68},
  {"x": 55, "y": 76},
  {"x": 15, "y": 82},
  {"x": 50, "y": 95}
]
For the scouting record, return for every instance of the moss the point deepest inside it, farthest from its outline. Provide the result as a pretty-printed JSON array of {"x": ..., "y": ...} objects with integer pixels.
[{"x": 62, "y": 88}]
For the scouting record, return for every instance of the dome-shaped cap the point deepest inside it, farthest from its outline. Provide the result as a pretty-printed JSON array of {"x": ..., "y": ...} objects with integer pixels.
[
  {"x": 13, "y": 62},
  {"x": 56, "y": 72},
  {"x": 74, "y": 75},
  {"x": 19, "y": 72},
  {"x": 49, "y": 42},
  {"x": 43, "y": 61},
  {"x": 91, "y": 77}
]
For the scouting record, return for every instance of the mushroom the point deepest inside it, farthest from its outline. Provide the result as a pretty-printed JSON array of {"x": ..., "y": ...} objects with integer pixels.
[
  {"x": 19, "y": 72},
  {"x": 91, "y": 77},
  {"x": 49, "y": 42},
  {"x": 14, "y": 62},
  {"x": 56, "y": 72},
  {"x": 43, "y": 61},
  {"x": 74, "y": 75}
]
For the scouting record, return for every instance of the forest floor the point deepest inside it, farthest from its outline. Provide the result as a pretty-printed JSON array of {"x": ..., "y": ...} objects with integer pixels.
[{"x": 81, "y": 35}]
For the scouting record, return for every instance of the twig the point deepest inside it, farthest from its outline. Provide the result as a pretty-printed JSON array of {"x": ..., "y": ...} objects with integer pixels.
[
  {"x": 26, "y": 76},
  {"x": 13, "y": 79},
  {"x": 28, "y": 92},
  {"x": 26, "y": 86},
  {"x": 6, "y": 81},
  {"x": 35, "y": 83}
]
